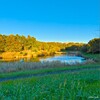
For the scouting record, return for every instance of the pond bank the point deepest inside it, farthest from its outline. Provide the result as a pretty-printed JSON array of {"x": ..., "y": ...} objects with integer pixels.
[
  {"x": 15, "y": 56},
  {"x": 76, "y": 70}
]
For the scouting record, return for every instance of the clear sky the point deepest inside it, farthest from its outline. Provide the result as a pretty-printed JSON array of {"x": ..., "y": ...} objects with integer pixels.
[{"x": 51, "y": 20}]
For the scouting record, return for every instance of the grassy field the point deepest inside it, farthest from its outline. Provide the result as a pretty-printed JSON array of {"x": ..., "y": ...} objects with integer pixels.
[
  {"x": 82, "y": 85},
  {"x": 77, "y": 86}
]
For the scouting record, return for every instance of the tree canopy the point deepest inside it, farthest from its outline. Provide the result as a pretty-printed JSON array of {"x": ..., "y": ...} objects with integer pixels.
[{"x": 17, "y": 43}]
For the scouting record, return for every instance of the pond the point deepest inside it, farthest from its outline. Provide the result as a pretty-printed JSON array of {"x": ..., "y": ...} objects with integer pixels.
[
  {"x": 62, "y": 58},
  {"x": 65, "y": 58}
]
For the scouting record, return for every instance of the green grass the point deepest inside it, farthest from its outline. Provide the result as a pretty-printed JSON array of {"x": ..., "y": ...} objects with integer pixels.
[{"x": 77, "y": 86}]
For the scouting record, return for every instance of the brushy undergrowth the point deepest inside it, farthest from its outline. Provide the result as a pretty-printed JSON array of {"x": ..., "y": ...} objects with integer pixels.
[
  {"x": 22, "y": 66},
  {"x": 76, "y": 86},
  {"x": 18, "y": 66}
]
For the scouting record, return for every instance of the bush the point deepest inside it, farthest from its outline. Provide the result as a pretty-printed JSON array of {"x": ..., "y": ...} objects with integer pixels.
[{"x": 85, "y": 48}]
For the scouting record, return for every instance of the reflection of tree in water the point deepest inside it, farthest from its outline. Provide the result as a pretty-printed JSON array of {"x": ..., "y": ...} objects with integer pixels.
[{"x": 31, "y": 59}]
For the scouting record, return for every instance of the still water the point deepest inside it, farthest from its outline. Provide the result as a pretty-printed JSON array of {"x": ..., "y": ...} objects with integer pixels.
[{"x": 65, "y": 58}]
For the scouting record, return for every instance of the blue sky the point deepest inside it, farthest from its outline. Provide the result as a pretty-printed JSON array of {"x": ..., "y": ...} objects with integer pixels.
[{"x": 51, "y": 20}]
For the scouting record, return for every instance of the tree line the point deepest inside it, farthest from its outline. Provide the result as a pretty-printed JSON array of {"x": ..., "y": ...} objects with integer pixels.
[
  {"x": 93, "y": 46},
  {"x": 17, "y": 43}
]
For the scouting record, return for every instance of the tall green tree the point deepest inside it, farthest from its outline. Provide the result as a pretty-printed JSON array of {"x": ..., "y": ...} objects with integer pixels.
[{"x": 94, "y": 45}]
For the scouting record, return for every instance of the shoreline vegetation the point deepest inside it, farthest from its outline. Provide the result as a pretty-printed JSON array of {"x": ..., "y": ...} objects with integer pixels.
[
  {"x": 26, "y": 54},
  {"x": 92, "y": 59}
]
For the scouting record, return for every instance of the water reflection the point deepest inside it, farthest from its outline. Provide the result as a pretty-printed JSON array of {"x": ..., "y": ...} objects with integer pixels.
[
  {"x": 62, "y": 58},
  {"x": 65, "y": 58},
  {"x": 21, "y": 60}
]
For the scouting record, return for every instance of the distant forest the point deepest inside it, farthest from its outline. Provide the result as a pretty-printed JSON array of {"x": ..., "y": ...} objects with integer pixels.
[{"x": 17, "y": 43}]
